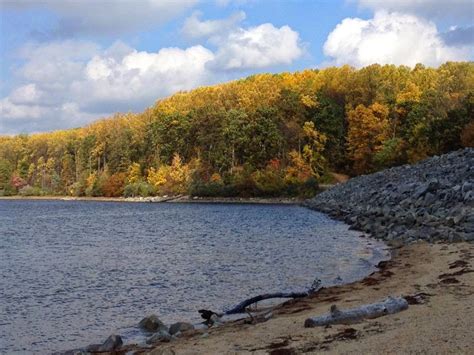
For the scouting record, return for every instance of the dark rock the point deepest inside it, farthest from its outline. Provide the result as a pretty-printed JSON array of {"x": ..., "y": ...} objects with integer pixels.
[
  {"x": 161, "y": 336},
  {"x": 152, "y": 324},
  {"x": 113, "y": 343},
  {"x": 180, "y": 327}
]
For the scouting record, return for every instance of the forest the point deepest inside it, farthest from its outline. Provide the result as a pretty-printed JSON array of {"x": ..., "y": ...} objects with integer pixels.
[{"x": 265, "y": 135}]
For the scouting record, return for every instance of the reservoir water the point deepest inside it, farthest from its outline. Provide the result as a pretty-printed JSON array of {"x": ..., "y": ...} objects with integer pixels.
[{"x": 74, "y": 272}]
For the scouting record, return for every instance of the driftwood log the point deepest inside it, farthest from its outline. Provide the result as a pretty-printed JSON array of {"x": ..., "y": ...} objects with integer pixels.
[
  {"x": 242, "y": 306},
  {"x": 355, "y": 315}
]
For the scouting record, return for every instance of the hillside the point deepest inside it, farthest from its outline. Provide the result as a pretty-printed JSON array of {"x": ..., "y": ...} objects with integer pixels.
[{"x": 266, "y": 135}]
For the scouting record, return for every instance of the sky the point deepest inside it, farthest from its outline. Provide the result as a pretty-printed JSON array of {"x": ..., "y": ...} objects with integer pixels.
[{"x": 66, "y": 63}]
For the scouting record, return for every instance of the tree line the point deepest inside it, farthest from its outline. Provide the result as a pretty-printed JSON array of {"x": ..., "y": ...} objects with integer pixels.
[{"x": 265, "y": 135}]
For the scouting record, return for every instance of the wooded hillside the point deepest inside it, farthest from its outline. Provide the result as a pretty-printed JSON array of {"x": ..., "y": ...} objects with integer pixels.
[{"x": 266, "y": 135}]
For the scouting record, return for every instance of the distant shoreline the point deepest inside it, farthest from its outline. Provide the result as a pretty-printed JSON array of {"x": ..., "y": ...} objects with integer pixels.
[{"x": 167, "y": 199}]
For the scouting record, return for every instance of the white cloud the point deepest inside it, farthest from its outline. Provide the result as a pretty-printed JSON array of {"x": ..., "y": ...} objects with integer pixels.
[
  {"x": 26, "y": 94},
  {"x": 257, "y": 47},
  {"x": 109, "y": 17},
  {"x": 390, "y": 38},
  {"x": 241, "y": 49},
  {"x": 195, "y": 28},
  {"x": 70, "y": 87},
  {"x": 68, "y": 83},
  {"x": 19, "y": 111},
  {"x": 55, "y": 63},
  {"x": 19, "y": 118},
  {"x": 433, "y": 9},
  {"x": 139, "y": 78}
]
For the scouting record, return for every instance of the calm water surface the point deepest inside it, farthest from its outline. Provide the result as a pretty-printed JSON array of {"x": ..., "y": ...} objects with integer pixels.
[{"x": 72, "y": 273}]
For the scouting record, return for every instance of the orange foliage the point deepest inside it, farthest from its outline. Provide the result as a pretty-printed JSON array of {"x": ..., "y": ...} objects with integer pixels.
[
  {"x": 114, "y": 185},
  {"x": 467, "y": 135}
]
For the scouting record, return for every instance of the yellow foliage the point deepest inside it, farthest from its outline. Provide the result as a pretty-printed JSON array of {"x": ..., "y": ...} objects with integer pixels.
[
  {"x": 157, "y": 177},
  {"x": 134, "y": 173},
  {"x": 308, "y": 101},
  {"x": 298, "y": 170},
  {"x": 368, "y": 129},
  {"x": 172, "y": 178},
  {"x": 91, "y": 179},
  {"x": 411, "y": 93}
]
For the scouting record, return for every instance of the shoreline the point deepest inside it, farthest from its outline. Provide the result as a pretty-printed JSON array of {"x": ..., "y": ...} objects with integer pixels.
[
  {"x": 437, "y": 280},
  {"x": 165, "y": 199},
  {"x": 419, "y": 210}
]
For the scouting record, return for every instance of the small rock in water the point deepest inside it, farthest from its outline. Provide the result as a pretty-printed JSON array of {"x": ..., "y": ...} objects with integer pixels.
[
  {"x": 180, "y": 327},
  {"x": 161, "y": 337},
  {"x": 113, "y": 342},
  {"x": 152, "y": 324}
]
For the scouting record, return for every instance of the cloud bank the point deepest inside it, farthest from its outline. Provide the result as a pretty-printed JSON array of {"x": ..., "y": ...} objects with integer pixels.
[
  {"x": 390, "y": 38},
  {"x": 67, "y": 83}
]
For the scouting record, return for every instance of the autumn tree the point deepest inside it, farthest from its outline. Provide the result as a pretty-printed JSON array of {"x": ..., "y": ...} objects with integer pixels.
[{"x": 367, "y": 130}]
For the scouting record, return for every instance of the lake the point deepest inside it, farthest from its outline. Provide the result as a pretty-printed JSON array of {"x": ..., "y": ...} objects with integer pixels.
[{"x": 74, "y": 272}]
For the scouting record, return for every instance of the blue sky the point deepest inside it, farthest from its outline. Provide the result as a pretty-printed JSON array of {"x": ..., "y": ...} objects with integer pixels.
[{"x": 65, "y": 63}]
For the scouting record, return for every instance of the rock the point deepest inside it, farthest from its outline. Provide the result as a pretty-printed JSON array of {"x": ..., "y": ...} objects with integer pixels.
[
  {"x": 466, "y": 187},
  {"x": 180, "y": 327},
  {"x": 152, "y": 324},
  {"x": 113, "y": 343},
  {"x": 431, "y": 200},
  {"x": 93, "y": 348},
  {"x": 469, "y": 196},
  {"x": 161, "y": 337}
]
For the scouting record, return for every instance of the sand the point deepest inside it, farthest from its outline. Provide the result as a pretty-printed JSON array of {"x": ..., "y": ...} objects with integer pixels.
[{"x": 441, "y": 323}]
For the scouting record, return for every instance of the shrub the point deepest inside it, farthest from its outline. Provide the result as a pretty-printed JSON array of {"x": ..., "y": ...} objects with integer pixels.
[
  {"x": 114, "y": 185},
  {"x": 31, "y": 191},
  {"x": 7, "y": 191},
  {"x": 142, "y": 189},
  {"x": 270, "y": 181}
]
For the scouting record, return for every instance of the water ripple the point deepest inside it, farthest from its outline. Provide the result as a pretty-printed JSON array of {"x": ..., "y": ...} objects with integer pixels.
[{"x": 72, "y": 273}]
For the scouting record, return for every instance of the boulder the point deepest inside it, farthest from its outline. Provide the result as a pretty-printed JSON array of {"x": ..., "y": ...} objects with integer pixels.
[
  {"x": 112, "y": 343},
  {"x": 161, "y": 336},
  {"x": 180, "y": 327},
  {"x": 152, "y": 324}
]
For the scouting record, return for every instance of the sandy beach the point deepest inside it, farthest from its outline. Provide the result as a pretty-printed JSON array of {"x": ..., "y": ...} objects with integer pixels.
[{"x": 440, "y": 321}]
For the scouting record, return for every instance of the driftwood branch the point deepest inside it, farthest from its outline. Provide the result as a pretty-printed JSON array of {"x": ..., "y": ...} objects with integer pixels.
[
  {"x": 241, "y": 307},
  {"x": 374, "y": 310}
]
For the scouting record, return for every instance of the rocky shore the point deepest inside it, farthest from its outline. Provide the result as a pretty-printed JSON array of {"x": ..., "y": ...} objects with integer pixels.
[
  {"x": 432, "y": 200},
  {"x": 436, "y": 280},
  {"x": 426, "y": 202}
]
